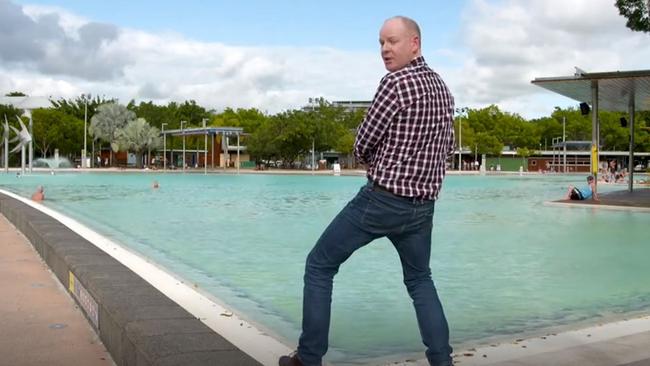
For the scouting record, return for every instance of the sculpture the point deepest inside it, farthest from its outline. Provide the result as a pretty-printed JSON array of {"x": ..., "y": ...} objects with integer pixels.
[
  {"x": 22, "y": 137},
  {"x": 5, "y": 139}
]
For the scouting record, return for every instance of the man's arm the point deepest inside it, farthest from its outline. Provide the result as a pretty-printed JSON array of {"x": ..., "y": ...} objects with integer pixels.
[{"x": 380, "y": 114}]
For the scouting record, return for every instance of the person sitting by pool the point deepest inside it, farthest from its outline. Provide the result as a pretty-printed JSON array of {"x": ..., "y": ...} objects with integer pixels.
[
  {"x": 39, "y": 195},
  {"x": 584, "y": 193},
  {"x": 620, "y": 176}
]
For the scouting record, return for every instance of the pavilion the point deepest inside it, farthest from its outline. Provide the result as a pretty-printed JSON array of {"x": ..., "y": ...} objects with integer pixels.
[
  {"x": 622, "y": 91},
  {"x": 212, "y": 132}
]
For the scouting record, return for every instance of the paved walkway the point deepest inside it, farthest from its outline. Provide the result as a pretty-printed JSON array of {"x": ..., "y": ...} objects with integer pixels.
[
  {"x": 39, "y": 321},
  {"x": 638, "y": 200}
]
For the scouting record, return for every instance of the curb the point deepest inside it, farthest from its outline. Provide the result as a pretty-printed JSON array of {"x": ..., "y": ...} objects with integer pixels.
[{"x": 137, "y": 323}]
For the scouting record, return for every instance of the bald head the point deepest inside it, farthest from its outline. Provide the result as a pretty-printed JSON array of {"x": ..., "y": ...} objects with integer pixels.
[
  {"x": 400, "y": 42},
  {"x": 411, "y": 26}
]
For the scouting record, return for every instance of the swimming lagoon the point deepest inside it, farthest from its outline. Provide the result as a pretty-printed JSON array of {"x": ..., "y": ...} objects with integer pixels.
[{"x": 504, "y": 264}]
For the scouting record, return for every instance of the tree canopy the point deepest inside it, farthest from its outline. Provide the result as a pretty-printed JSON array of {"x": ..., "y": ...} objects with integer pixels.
[
  {"x": 289, "y": 135},
  {"x": 637, "y": 13}
]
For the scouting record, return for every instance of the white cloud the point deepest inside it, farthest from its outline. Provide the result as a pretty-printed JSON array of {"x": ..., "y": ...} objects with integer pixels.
[
  {"x": 511, "y": 42},
  {"x": 77, "y": 56},
  {"x": 506, "y": 44}
]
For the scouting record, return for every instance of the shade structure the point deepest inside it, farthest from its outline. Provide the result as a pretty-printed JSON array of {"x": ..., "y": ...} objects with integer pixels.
[
  {"x": 616, "y": 90},
  {"x": 622, "y": 91}
]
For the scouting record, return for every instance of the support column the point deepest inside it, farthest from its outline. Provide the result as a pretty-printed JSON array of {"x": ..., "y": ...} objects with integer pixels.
[
  {"x": 594, "y": 132},
  {"x": 564, "y": 143},
  {"x": 224, "y": 148},
  {"x": 6, "y": 143},
  {"x": 31, "y": 143},
  {"x": 631, "y": 162}
]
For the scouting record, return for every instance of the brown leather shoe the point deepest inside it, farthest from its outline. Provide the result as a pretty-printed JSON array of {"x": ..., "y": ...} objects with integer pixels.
[{"x": 291, "y": 360}]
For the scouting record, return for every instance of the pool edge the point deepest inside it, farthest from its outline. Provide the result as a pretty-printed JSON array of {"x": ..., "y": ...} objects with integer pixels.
[{"x": 142, "y": 314}]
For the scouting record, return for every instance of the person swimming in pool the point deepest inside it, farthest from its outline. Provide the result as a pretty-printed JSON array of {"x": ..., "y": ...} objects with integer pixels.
[{"x": 39, "y": 195}]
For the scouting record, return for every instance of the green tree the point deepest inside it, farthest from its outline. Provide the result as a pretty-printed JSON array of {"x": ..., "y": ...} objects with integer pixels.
[
  {"x": 488, "y": 144},
  {"x": 138, "y": 136},
  {"x": 77, "y": 107},
  {"x": 11, "y": 112},
  {"x": 294, "y": 134},
  {"x": 345, "y": 142},
  {"x": 262, "y": 145},
  {"x": 637, "y": 13},
  {"x": 191, "y": 112},
  {"x": 110, "y": 118},
  {"x": 54, "y": 129},
  {"x": 250, "y": 120},
  {"x": 154, "y": 114},
  {"x": 16, "y": 94},
  {"x": 326, "y": 124},
  {"x": 524, "y": 153}
]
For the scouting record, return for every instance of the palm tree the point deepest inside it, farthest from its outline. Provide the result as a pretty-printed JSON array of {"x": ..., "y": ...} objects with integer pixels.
[
  {"x": 138, "y": 136},
  {"x": 106, "y": 123}
]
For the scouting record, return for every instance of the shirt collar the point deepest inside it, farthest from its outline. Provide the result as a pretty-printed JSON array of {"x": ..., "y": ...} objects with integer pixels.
[{"x": 418, "y": 61}]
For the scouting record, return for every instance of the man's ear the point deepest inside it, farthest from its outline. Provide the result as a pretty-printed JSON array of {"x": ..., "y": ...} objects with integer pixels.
[{"x": 415, "y": 44}]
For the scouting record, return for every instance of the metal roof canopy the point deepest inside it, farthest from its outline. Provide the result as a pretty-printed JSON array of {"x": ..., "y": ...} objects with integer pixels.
[
  {"x": 204, "y": 131},
  {"x": 622, "y": 91},
  {"x": 576, "y": 144}
]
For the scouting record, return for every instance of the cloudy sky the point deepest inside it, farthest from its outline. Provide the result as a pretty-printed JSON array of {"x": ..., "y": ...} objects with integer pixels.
[{"x": 274, "y": 55}]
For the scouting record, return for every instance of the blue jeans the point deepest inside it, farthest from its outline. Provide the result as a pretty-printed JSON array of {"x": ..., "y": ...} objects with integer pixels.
[{"x": 373, "y": 214}]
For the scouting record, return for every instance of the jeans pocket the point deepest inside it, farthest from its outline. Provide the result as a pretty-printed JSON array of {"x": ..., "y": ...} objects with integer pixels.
[{"x": 385, "y": 213}]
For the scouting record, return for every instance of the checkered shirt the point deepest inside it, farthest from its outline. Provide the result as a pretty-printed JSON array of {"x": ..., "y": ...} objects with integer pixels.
[{"x": 408, "y": 133}]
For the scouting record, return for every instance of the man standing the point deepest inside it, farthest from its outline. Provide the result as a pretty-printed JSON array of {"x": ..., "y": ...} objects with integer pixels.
[{"x": 404, "y": 141}]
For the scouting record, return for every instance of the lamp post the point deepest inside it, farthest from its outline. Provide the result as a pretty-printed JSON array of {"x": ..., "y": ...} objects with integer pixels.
[
  {"x": 84, "y": 163},
  {"x": 183, "y": 133},
  {"x": 564, "y": 142},
  {"x": 460, "y": 112},
  {"x": 164, "y": 146},
  {"x": 205, "y": 147}
]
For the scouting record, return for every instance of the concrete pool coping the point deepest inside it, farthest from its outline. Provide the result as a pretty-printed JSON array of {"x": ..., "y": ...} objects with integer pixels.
[
  {"x": 142, "y": 314},
  {"x": 621, "y": 343}
]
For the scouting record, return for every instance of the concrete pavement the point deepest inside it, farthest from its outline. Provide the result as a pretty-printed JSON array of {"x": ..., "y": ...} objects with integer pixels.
[{"x": 40, "y": 323}]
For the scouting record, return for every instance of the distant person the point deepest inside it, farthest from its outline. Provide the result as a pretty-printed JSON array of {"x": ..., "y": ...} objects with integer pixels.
[
  {"x": 39, "y": 195},
  {"x": 404, "y": 141},
  {"x": 583, "y": 193},
  {"x": 155, "y": 185}
]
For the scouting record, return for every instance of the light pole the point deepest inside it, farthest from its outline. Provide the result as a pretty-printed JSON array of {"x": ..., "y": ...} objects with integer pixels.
[
  {"x": 164, "y": 147},
  {"x": 84, "y": 163},
  {"x": 564, "y": 142},
  {"x": 205, "y": 147},
  {"x": 460, "y": 112},
  {"x": 183, "y": 133}
]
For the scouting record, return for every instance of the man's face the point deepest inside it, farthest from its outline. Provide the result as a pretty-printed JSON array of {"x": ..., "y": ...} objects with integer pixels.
[{"x": 399, "y": 46}]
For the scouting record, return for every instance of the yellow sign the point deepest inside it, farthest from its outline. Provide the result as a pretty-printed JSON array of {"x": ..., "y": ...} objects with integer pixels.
[
  {"x": 71, "y": 282},
  {"x": 594, "y": 159}
]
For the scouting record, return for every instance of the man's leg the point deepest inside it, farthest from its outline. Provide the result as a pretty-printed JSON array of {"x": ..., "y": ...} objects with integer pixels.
[
  {"x": 414, "y": 248},
  {"x": 341, "y": 238},
  {"x": 568, "y": 193}
]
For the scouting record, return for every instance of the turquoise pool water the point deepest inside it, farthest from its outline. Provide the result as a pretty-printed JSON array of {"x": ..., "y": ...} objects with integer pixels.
[{"x": 503, "y": 263}]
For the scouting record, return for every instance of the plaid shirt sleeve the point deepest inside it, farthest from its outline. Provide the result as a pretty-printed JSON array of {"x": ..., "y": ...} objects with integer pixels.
[{"x": 375, "y": 124}]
